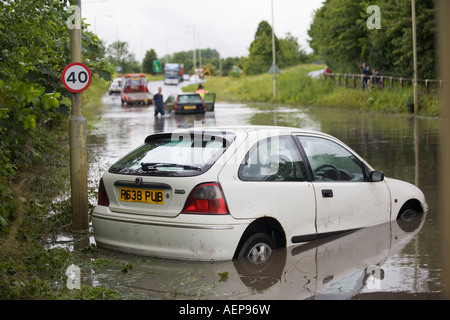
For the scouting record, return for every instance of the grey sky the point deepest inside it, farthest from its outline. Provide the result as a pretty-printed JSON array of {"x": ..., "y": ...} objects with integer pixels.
[{"x": 166, "y": 25}]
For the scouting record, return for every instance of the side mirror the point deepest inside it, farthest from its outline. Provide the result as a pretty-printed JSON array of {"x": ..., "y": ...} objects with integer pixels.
[{"x": 376, "y": 176}]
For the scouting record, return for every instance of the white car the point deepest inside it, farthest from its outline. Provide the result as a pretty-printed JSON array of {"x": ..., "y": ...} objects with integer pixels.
[
  {"x": 222, "y": 193},
  {"x": 115, "y": 86}
]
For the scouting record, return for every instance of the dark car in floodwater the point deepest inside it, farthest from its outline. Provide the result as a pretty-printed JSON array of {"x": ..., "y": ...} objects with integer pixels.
[{"x": 185, "y": 103}]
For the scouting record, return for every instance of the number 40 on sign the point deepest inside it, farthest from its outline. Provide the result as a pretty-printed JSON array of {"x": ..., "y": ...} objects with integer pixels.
[{"x": 76, "y": 77}]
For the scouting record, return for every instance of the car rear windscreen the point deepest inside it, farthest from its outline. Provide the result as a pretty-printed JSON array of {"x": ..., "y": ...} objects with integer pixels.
[
  {"x": 176, "y": 154},
  {"x": 193, "y": 98}
]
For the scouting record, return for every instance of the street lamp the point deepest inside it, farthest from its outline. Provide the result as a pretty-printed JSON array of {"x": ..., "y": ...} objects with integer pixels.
[
  {"x": 194, "y": 58},
  {"x": 274, "y": 59},
  {"x": 142, "y": 49},
  {"x": 95, "y": 21},
  {"x": 414, "y": 32},
  {"x": 117, "y": 30}
]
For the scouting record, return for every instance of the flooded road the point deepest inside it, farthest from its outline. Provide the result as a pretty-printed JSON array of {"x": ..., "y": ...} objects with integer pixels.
[{"x": 390, "y": 260}]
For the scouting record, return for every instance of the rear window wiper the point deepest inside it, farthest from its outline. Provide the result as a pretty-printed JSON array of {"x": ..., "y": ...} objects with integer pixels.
[{"x": 153, "y": 166}]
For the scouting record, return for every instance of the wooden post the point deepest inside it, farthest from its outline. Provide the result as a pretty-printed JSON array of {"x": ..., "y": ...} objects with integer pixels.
[
  {"x": 443, "y": 10},
  {"x": 416, "y": 89},
  {"x": 78, "y": 147}
]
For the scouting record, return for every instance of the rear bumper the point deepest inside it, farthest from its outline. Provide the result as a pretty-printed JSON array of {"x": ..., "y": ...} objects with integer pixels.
[
  {"x": 198, "y": 239},
  {"x": 181, "y": 111}
]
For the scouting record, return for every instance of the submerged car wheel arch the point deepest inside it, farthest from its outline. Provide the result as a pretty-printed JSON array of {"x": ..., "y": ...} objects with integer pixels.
[
  {"x": 412, "y": 204},
  {"x": 266, "y": 225}
]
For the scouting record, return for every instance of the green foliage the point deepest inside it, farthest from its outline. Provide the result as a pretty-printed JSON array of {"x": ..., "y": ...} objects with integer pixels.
[
  {"x": 296, "y": 87},
  {"x": 147, "y": 63},
  {"x": 119, "y": 55},
  {"x": 340, "y": 36},
  {"x": 288, "y": 51},
  {"x": 34, "y": 50}
]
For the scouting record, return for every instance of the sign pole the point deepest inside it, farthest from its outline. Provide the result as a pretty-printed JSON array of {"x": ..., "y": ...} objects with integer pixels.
[
  {"x": 274, "y": 62},
  {"x": 443, "y": 12},
  {"x": 414, "y": 28},
  {"x": 78, "y": 149}
]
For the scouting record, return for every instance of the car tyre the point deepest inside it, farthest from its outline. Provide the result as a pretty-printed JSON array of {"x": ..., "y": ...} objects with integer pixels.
[
  {"x": 257, "y": 248},
  {"x": 408, "y": 215}
]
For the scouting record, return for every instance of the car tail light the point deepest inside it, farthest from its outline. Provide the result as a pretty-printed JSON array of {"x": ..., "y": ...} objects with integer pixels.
[
  {"x": 206, "y": 198},
  {"x": 175, "y": 104},
  {"x": 103, "y": 199}
]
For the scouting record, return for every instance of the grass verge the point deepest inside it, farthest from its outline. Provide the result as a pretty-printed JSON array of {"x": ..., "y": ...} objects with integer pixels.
[
  {"x": 296, "y": 87},
  {"x": 38, "y": 245}
]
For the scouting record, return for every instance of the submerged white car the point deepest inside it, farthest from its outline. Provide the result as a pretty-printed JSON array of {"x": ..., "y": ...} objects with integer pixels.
[{"x": 223, "y": 193}]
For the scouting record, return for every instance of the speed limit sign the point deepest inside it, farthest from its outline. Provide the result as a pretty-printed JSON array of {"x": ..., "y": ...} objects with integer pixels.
[{"x": 76, "y": 77}]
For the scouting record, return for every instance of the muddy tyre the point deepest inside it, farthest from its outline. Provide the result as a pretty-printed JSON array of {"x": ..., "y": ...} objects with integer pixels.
[{"x": 257, "y": 248}]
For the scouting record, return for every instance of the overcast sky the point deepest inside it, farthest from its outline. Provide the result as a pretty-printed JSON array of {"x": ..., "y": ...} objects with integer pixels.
[{"x": 228, "y": 26}]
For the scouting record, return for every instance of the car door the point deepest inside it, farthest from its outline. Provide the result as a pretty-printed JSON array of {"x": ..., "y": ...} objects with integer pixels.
[
  {"x": 345, "y": 198},
  {"x": 272, "y": 182},
  {"x": 210, "y": 99}
]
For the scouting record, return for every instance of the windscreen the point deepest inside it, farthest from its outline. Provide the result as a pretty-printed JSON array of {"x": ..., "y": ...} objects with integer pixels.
[
  {"x": 189, "y": 98},
  {"x": 185, "y": 154}
]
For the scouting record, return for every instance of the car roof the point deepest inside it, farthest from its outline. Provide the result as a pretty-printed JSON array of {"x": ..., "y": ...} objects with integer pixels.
[
  {"x": 268, "y": 130},
  {"x": 187, "y": 94}
]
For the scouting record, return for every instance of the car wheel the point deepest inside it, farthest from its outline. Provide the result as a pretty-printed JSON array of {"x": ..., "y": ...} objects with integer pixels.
[
  {"x": 257, "y": 248},
  {"x": 407, "y": 215}
]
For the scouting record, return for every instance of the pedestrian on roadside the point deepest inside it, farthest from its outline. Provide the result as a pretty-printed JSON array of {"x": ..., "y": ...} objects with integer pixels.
[
  {"x": 158, "y": 103},
  {"x": 376, "y": 79},
  {"x": 365, "y": 70}
]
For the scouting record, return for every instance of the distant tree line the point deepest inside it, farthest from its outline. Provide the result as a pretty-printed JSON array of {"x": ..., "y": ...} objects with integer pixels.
[
  {"x": 259, "y": 60},
  {"x": 340, "y": 36}
]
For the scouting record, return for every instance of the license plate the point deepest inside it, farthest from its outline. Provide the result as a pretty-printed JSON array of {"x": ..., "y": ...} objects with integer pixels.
[
  {"x": 190, "y": 107},
  {"x": 142, "y": 195}
]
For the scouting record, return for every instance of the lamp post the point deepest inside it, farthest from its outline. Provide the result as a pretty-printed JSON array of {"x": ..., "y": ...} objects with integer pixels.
[
  {"x": 194, "y": 58},
  {"x": 443, "y": 9},
  {"x": 274, "y": 59},
  {"x": 414, "y": 32},
  {"x": 142, "y": 49}
]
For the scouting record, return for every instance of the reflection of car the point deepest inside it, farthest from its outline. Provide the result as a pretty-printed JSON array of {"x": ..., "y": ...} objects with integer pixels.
[
  {"x": 185, "y": 103},
  {"x": 330, "y": 269},
  {"x": 115, "y": 86},
  {"x": 219, "y": 193}
]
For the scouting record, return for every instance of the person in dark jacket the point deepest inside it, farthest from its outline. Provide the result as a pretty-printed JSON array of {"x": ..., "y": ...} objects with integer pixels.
[{"x": 158, "y": 103}]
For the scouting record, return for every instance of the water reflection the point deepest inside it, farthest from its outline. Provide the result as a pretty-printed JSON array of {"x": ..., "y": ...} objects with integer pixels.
[{"x": 336, "y": 268}]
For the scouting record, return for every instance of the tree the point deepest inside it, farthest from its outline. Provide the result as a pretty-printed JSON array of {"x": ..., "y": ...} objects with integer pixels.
[
  {"x": 291, "y": 52},
  {"x": 35, "y": 48},
  {"x": 338, "y": 33},
  {"x": 260, "y": 56},
  {"x": 340, "y": 36},
  {"x": 147, "y": 63},
  {"x": 288, "y": 51},
  {"x": 119, "y": 55}
]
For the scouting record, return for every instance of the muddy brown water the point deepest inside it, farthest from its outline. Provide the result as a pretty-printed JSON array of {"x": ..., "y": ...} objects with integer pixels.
[{"x": 390, "y": 261}]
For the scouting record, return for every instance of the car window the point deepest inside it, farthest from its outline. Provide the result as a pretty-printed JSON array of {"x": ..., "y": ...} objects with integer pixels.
[
  {"x": 178, "y": 155},
  {"x": 330, "y": 161},
  {"x": 274, "y": 159},
  {"x": 170, "y": 99},
  {"x": 189, "y": 98}
]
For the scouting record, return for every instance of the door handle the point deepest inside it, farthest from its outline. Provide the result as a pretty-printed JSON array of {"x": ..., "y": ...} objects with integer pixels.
[{"x": 327, "y": 193}]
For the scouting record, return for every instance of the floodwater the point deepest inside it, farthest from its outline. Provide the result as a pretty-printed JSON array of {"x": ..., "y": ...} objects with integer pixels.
[{"x": 390, "y": 261}]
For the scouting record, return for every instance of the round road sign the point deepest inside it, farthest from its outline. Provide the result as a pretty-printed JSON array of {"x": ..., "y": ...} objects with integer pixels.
[{"x": 76, "y": 77}]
